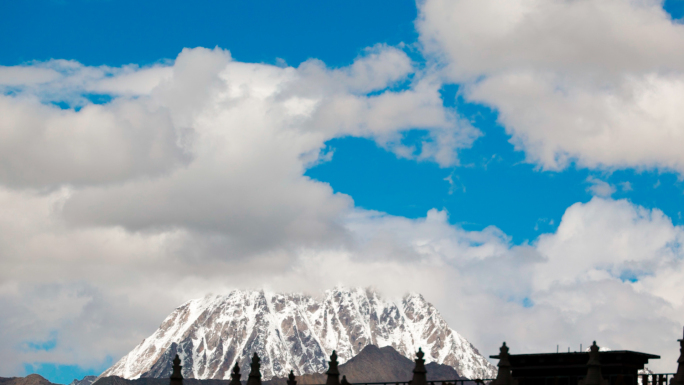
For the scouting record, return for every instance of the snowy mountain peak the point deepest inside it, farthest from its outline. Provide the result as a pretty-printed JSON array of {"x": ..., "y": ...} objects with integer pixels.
[{"x": 295, "y": 332}]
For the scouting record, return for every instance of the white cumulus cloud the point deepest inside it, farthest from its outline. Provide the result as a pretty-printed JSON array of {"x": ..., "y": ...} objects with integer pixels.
[
  {"x": 186, "y": 178},
  {"x": 594, "y": 82}
]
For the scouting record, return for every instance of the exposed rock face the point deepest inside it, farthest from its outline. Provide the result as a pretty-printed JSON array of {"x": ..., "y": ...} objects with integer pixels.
[
  {"x": 87, "y": 380},
  {"x": 295, "y": 332}
]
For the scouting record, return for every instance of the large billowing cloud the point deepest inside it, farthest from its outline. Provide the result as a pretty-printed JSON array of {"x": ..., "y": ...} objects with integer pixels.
[
  {"x": 599, "y": 83},
  {"x": 611, "y": 272},
  {"x": 183, "y": 178}
]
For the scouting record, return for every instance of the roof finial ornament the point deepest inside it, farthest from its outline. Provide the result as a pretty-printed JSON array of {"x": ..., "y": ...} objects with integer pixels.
[
  {"x": 255, "y": 374},
  {"x": 419, "y": 372},
  {"x": 678, "y": 378},
  {"x": 235, "y": 375},
  {"x": 594, "y": 376},
  {"x": 176, "y": 376},
  {"x": 291, "y": 378},
  {"x": 504, "y": 376},
  {"x": 333, "y": 373}
]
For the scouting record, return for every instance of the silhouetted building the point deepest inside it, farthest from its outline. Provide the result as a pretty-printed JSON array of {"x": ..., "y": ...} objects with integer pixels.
[
  {"x": 679, "y": 376},
  {"x": 618, "y": 367}
]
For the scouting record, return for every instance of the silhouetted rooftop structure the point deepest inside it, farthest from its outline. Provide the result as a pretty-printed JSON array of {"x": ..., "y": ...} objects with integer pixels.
[
  {"x": 255, "y": 374},
  {"x": 679, "y": 376},
  {"x": 503, "y": 375},
  {"x": 291, "y": 378},
  {"x": 235, "y": 375},
  {"x": 594, "y": 375},
  {"x": 419, "y": 373},
  {"x": 616, "y": 366},
  {"x": 333, "y": 373},
  {"x": 176, "y": 376}
]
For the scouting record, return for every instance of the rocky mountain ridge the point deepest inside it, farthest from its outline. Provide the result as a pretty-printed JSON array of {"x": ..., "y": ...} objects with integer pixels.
[
  {"x": 295, "y": 332},
  {"x": 87, "y": 380}
]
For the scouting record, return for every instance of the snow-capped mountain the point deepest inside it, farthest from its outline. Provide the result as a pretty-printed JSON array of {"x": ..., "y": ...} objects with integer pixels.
[{"x": 295, "y": 331}]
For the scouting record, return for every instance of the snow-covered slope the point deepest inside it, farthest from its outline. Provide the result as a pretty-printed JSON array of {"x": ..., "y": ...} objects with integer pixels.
[{"x": 295, "y": 331}]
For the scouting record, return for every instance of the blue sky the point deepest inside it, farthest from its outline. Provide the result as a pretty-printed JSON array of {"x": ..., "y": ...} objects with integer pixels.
[
  {"x": 506, "y": 185},
  {"x": 492, "y": 186},
  {"x": 123, "y": 32}
]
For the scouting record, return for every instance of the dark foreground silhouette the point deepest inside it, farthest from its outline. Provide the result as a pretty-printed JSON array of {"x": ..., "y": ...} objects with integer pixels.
[
  {"x": 372, "y": 364},
  {"x": 577, "y": 368},
  {"x": 582, "y": 368}
]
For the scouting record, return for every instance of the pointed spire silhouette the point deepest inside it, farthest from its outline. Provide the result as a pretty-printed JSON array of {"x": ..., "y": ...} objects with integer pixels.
[
  {"x": 291, "y": 379},
  {"x": 235, "y": 375},
  {"x": 255, "y": 374},
  {"x": 419, "y": 372},
  {"x": 344, "y": 381},
  {"x": 594, "y": 376},
  {"x": 176, "y": 376},
  {"x": 333, "y": 373},
  {"x": 503, "y": 375},
  {"x": 678, "y": 378}
]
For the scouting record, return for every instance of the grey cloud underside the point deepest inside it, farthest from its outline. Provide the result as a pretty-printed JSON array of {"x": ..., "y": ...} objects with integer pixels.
[
  {"x": 43, "y": 145},
  {"x": 295, "y": 332}
]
